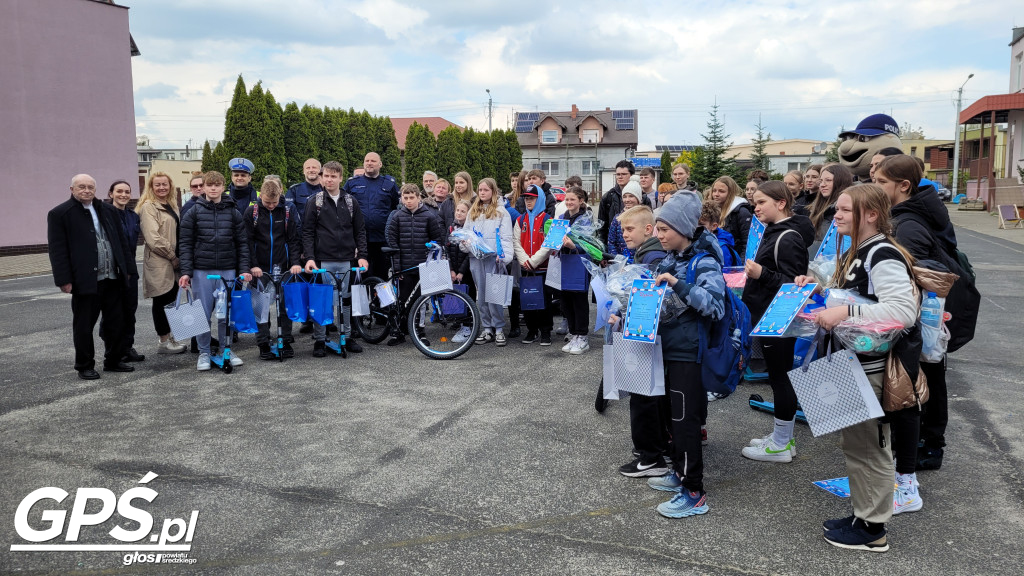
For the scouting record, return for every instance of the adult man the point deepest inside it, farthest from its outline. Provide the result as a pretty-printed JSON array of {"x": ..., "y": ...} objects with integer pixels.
[
  {"x": 611, "y": 202},
  {"x": 429, "y": 179},
  {"x": 378, "y": 196},
  {"x": 681, "y": 176},
  {"x": 91, "y": 260},
  {"x": 241, "y": 190},
  {"x": 299, "y": 193},
  {"x": 650, "y": 193}
]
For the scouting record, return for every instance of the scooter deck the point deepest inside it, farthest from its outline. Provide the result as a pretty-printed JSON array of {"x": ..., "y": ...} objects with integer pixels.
[{"x": 758, "y": 403}]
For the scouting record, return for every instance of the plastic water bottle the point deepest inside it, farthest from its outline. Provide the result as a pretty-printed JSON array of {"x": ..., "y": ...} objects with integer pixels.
[
  {"x": 220, "y": 308},
  {"x": 931, "y": 321}
]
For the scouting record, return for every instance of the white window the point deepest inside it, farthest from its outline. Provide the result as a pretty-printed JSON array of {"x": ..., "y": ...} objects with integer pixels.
[
  {"x": 589, "y": 136},
  {"x": 590, "y": 168},
  {"x": 170, "y": 155},
  {"x": 549, "y": 137},
  {"x": 550, "y": 168}
]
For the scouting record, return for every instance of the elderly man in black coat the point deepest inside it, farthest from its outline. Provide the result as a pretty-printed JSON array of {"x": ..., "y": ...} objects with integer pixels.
[{"x": 92, "y": 261}]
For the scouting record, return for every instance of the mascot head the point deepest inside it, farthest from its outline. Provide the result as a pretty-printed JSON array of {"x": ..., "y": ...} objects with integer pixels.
[{"x": 860, "y": 144}]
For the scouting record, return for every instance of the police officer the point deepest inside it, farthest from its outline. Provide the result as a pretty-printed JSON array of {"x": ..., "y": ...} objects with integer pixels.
[
  {"x": 241, "y": 190},
  {"x": 299, "y": 193},
  {"x": 378, "y": 196}
]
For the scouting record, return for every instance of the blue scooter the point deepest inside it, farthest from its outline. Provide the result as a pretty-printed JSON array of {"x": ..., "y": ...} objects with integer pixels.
[
  {"x": 344, "y": 314},
  {"x": 223, "y": 359}
]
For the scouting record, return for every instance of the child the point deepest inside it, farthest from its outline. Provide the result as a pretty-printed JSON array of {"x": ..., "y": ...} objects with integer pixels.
[
  {"x": 649, "y": 416},
  {"x": 333, "y": 234},
  {"x": 575, "y": 303},
  {"x": 487, "y": 217},
  {"x": 273, "y": 242},
  {"x": 683, "y": 239},
  {"x": 409, "y": 229},
  {"x": 213, "y": 241},
  {"x": 632, "y": 195},
  {"x": 877, "y": 268},
  {"x": 710, "y": 219},
  {"x": 459, "y": 263},
  {"x": 781, "y": 257},
  {"x": 528, "y": 235}
]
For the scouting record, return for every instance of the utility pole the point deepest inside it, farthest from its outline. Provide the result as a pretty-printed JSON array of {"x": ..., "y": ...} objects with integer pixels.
[
  {"x": 490, "y": 109},
  {"x": 956, "y": 149}
]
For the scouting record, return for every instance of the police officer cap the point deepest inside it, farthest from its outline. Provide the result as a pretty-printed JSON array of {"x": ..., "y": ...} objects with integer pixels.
[{"x": 241, "y": 164}]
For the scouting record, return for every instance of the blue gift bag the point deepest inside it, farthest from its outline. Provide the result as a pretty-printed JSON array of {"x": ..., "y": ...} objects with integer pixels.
[
  {"x": 321, "y": 300},
  {"x": 296, "y": 298},
  {"x": 451, "y": 305},
  {"x": 243, "y": 319},
  {"x": 531, "y": 292},
  {"x": 574, "y": 274}
]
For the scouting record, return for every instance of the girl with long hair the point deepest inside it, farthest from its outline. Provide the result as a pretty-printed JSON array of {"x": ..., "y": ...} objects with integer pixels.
[{"x": 488, "y": 217}]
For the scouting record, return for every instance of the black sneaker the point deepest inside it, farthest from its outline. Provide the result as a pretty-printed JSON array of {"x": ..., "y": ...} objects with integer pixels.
[
  {"x": 353, "y": 346},
  {"x": 531, "y": 337},
  {"x": 856, "y": 537},
  {"x": 133, "y": 356},
  {"x": 396, "y": 340},
  {"x": 307, "y": 328},
  {"x": 838, "y": 523},
  {"x": 319, "y": 349},
  {"x": 929, "y": 458},
  {"x": 287, "y": 351},
  {"x": 638, "y": 469},
  {"x": 515, "y": 333},
  {"x": 266, "y": 353},
  {"x": 545, "y": 338}
]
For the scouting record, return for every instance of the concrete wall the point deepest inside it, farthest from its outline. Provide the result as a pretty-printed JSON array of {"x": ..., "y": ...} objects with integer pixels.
[{"x": 65, "y": 107}]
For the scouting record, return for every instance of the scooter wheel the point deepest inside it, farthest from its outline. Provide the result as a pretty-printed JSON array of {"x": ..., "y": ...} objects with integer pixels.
[
  {"x": 756, "y": 398},
  {"x": 228, "y": 367},
  {"x": 344, "y": 353}
]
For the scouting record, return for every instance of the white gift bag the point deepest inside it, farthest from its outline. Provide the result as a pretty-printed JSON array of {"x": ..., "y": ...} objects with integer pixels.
[
  {"x": 499, "y": 289},
  {"x": 262, "y": 301},
  {"x": 187, "y": 319},
  {"x": 386, "y": 294},
  {"x": 435, "y": 276},
  {"x": 360, "y": 300},
  {"x": 636, "y": 367},
  {"x": 554, "y": 276},
  {"x": 834, "y": 393}
]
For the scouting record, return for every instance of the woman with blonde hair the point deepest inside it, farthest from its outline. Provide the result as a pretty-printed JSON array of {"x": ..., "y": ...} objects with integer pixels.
[
  {"x": 736, "y": 211},
  {"x": 488, "y": 218},
  {"x": 159, "y": 219},
  {"x": 835, "y": 178}
]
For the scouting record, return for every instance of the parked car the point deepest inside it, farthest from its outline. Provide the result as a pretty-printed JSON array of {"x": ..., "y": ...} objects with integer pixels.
[
  {"x": 944, "y": 193},
  {"x": 559, "y": 193}
]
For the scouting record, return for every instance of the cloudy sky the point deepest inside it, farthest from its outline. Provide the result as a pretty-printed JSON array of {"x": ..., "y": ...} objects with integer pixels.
[{"x": 806, "y": 68}]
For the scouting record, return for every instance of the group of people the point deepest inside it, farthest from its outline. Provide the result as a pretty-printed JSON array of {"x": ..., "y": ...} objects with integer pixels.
[{"x": 326, "y": 222}]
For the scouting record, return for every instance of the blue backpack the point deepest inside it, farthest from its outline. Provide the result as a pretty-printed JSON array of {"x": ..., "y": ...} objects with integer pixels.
[{"x": 725, "y": 344}]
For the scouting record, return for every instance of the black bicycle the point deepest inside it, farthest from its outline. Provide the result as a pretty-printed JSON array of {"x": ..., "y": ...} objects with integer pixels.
[{"x": 442, "y": 325}]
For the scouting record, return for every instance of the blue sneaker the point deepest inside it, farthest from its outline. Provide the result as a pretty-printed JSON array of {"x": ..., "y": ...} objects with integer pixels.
[
  {"x": 684, "y": 504},
  {"x": 856, "y": 537},
  {"x": 667, "y": 483}
]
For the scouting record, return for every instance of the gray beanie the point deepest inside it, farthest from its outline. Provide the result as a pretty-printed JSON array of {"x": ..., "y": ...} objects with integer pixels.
[{"x": 681, "y": 213}]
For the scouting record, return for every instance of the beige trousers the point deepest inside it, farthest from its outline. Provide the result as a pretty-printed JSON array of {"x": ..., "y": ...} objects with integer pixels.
[{"x": 870, "y": 465}]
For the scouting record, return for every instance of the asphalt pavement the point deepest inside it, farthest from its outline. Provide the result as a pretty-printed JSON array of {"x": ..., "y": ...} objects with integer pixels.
[{"x": 493, "y": 463}]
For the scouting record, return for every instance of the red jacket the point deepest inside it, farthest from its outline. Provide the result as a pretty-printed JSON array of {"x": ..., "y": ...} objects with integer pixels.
[{"x": 532, "y": 243}]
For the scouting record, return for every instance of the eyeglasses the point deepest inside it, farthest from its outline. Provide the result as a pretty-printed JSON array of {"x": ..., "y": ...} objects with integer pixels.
[{"x": 195, "y": 186}]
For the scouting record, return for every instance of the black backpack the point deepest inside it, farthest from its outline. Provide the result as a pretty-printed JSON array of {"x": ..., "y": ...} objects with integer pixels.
[{"x": 963, "y": 300}]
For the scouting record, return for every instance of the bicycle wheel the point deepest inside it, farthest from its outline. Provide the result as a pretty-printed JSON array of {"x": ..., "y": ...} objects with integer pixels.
[
  {"x": 444, "y": 325},
  {"x": 373, "y": 328}
]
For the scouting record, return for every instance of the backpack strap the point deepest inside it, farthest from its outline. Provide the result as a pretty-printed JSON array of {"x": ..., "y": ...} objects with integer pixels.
[
  {"x": 867, "y": 266},
  {"x": 779, "y": 241}
]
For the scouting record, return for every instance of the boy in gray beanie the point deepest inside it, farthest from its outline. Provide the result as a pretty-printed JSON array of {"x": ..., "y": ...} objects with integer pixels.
[{"x": 683, "y": 239}]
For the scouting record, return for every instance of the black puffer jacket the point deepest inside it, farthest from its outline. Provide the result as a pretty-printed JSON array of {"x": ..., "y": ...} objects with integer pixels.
[
  {"x": 283, "y": 239},
  {"x": 213, "y": 238},
  {"x": 410, "y": 231},
  {"x": 910, "y": 217},
  {"x": 792, "y": 262},
  {"x": 737, "y": 223},
  {"x": 330, "y": 232}
]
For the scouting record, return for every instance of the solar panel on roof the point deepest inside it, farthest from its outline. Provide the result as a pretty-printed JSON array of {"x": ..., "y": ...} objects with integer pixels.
[
  {"x": 522, "y": 116},
  {"x": 623, "y": 114},
  {"x": 624, "y": 124}
]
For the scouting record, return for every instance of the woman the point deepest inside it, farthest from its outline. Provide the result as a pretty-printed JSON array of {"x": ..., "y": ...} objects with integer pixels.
[
  {"x": 736, "y": 212},
  {"x": 811, "y": 178},
  {"x": 835, "y": 178},
  {"x": 159, "y": 219},
  {"x": 878, "y": 269},
  {"x": 463, "y": 188},
  {"x": 446, "y": 209},
  {"x": 120, "y": 194}
]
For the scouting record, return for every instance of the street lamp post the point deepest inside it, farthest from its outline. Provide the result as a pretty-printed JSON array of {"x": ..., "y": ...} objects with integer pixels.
[
  {"x": 956, "y": 149},
  {"x": 490, "y": 109}
]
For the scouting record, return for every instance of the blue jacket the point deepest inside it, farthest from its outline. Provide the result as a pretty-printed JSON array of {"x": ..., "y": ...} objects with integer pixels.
[
  {"x": 299, "y": 194},
  {"x": 242, "y": 197},
  {"x": 705, "y": 297},
  {"x": 377, "y": 198},
  {"x": 130, "y": 223},
  {"x": 725, "y": 242}
]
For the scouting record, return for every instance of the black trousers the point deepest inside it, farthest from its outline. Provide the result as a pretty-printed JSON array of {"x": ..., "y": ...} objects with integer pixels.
[
  {"x": 936, "y": 411},
  {"x": 689, "y": 408},
  {"x": 86, "y": 310},
  {"x": 159, "y": 314},
  {"x": 379, "y": 263},
  {"x": 283, "y": 322},
  {"x": 576, "y": 309},
  {"x": 649, "y": 425},
  {"x": 778, "y": 355},
  {"x": 129, "y": 306},
  {"x": 904, "y": 431}
]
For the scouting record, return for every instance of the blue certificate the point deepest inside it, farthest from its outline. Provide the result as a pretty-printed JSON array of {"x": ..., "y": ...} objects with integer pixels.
[
  {"x": 828, "y": 243},
  {"x": 754, "y": 238},
  {"x": 556, "y": 234},
  {"x": 783, "y": 310},
  {"x": 643, "y": 311}
]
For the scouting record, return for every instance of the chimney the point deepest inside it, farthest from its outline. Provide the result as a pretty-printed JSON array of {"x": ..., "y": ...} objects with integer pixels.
[
  {"x": 607, "y": 109},
  {"x": 575, "y": 111}
]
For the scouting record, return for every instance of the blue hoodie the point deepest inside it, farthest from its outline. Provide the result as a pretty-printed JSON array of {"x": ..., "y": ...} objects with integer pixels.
[
  {"x": 538, "y": 207},
  {"x": 726, "y": 241}
]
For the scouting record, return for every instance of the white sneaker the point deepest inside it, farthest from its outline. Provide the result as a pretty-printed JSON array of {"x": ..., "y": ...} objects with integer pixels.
[
  {"x": 169, "y": 346},
  {"x": 235, "y": 360},
  {"x": 769, "y": 452},
  {"x": 204, "y": 362},
  {"x": 462, "y": 335},
  {"x": 582, "y": 345},
  {"x": 758, "y": 442},
  {"x": 907, "y": 498},
  {"x": 569, "y": 344}
]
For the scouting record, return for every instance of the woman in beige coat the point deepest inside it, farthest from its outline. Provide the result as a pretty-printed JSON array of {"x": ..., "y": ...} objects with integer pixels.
[{"x": 158, "y": 216}]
